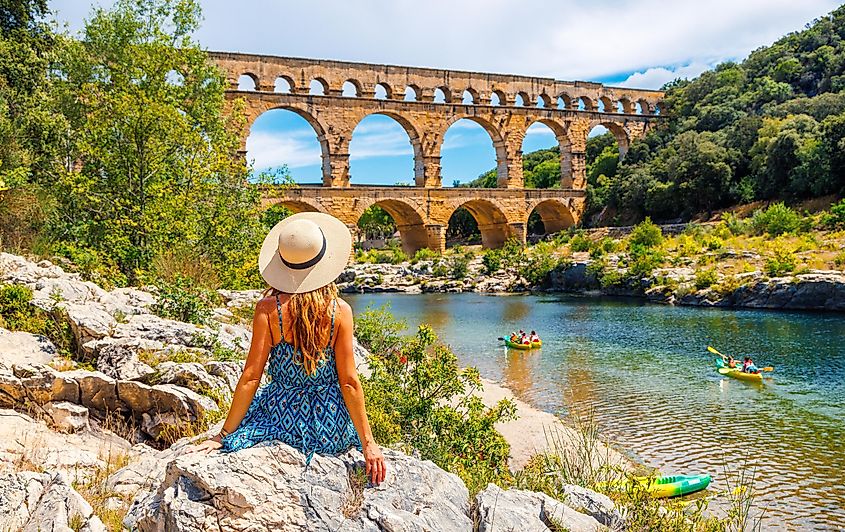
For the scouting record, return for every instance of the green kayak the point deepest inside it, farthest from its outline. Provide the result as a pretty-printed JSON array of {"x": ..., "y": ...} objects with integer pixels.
[{"x": 674, "y": 486}]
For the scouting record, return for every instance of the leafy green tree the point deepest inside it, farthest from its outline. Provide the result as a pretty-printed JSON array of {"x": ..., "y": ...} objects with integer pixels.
[
  {"x": 155, "y": 165},
  {"x": 376, "y": 222}
]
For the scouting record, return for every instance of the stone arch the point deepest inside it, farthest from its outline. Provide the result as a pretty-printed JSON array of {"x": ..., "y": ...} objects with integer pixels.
[
  {"x": 501, "y": 98},
  {"x": 492, "y": 222},
  {"x": 409, "y": 219},
  {"x": 645, "y": 107},
  {"x": 412, "y": 93},
  {"x": 319, "y": 129},
  {"x": 284, "y": 84},
  {"x": 522, "y": 99},
  {"x": 244, "y": 79},
  {"x": 442, "y": 94},
  {"x": 544, "y": 101},
  {"x": 388, "y": 91},
  {"x": 585, "y": 103},
  {"x": 352, "y": 86},
  {"x": 318, "y": 87},
  {"x": 660, "y": 108},
  {"x": 564, "y": 145},
  {"x": 498, "y": 145},
  {"x": 564, "y": 101},
  {"x": 471, "y": 95},
  {"x": 606, "y": 104},
  {"x": 555, "y": 215},
  {"x": 298, "y": 205},
  {"x": 626, "y": 106},
  {"x": 618, "y": 131},
  {"x": 413, "y": 136}
]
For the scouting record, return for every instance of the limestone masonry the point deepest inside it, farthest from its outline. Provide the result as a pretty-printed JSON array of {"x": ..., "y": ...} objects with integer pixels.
[{"x": 425, "y": 102}]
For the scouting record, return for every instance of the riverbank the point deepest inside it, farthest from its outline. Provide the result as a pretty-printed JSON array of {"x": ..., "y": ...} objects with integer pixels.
[{"x": 732, "y": 263}]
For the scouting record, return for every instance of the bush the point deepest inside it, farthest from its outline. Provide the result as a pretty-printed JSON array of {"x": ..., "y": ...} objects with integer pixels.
[
  {"x": 18, "y": 314},
  {"x": 646, "y": 234},
  {"x": 425, "y": 254},
  {"x": 459, "y": 266},
  {"x": 776, "y": 220},
  {"x": 835, "y": 219},
  {"x": 417, "y": 395},
  {"x": 839, "y": 259},
  {"x": 91, "y": 265},
  {"x": 182, "y": 300},
  {"x": 780, "y": 262},
  {"x": 536, "y": 268},
  {"x": 580, "y": 243},
  {"x": 513, "y": 253},
  {"x": 734, "y": 224},
  {"x": 705, "y": 278},
  {"x": 492, "y": 261},
  {"x": 644, "y": 261}
]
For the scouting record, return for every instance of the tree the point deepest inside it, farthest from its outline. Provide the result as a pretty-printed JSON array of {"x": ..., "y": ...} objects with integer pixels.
[
  {"x": 376, "y": 222},
  {"x": 153, "y": 154}
]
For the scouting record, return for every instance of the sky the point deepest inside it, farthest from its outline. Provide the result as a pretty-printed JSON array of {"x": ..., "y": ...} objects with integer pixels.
[{"x": 635, "y": 43}]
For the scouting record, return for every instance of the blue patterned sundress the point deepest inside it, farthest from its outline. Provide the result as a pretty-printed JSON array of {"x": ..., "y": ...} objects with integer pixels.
[{"x": 304, "y": 411}]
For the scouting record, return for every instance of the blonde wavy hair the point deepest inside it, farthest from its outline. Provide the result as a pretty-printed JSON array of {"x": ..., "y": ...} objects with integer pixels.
[{"x": 310, "y": 323}]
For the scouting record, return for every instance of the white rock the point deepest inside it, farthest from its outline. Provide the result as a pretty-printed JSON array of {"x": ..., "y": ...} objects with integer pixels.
[
  {"x": 67, "y": 417},
  {"x": 505, "y": 510},
  {"x": 20, "y": 347}
]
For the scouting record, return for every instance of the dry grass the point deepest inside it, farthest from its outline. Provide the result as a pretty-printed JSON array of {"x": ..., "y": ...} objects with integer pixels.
[
  {"x": 108, "y": 505},
  {"x": 353, "y": 503}
]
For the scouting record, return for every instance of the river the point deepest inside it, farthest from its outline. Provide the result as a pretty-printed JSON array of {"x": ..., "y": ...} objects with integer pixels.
[{"x": 644, "y": 372}]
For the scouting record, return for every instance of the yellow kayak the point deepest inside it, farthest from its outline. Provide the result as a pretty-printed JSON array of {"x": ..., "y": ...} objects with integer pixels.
[
  {"x": 524, "y": 347},
  {"x": 737, "y": 373}
]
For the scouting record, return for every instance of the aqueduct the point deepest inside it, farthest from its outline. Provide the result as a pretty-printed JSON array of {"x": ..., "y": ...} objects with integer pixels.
[{"x": 426, "y": 102}]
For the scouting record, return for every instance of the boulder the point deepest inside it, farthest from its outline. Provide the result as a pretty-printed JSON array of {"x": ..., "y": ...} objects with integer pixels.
[
  {"x": 88, "y": 321},
  {"x": 35, "y": 502},
  {"x": 67, "y": 417},
  {"x": 119, "y": 360},
  {"x": 501, "y": 510},
  {"x": 230, "y": 372},
  {"x": 20, "y": 347},
  {"x": 268, "y": 488},
  {"x": 597, "y": 505},
  {"x": 191, "y": 375}
]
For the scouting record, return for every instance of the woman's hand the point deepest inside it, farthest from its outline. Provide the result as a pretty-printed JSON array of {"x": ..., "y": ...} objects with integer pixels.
[
  {"x": 375, "y": 468},
  {"x": 207, "y": 446}
]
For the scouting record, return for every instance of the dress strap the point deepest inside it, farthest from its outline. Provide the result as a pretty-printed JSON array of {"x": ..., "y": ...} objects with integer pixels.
[
  {"x": 331, "y": 333},
  {"x": 281, "y": 325}
]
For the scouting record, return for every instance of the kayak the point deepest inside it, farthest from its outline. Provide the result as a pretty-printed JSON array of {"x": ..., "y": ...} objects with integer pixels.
[
  {"x": 737, "y": 373},
  {"x": 674, "y": 486},
  {"x": 524, "y": 347}
]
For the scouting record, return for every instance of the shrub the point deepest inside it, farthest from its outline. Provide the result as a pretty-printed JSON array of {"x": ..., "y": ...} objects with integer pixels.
[
  {"x": 91, "y": 265},
  {"x": 835, "y": 218},
  {"x": 705, "y": 278},
  {"x": 644, "y": 261},
  {"x": 182, "y": 300},
  {"x": 839, "y": 259},
  {"x": 646, "y": 234},
  {"x": 459, "y": 266},
  {"x": 734, "y": 224},
  {"x": 781, "y": 261},
  {"x": 776, "y": 220},
  {"x": 513, "y": 253},
  {"x": 580, "y": 243},
  {"x": 425, "y": 254},
  {"x": 417, "y": 395},
  {"x": 18, "y": 314},
  {"x": 492, "y": 261}
]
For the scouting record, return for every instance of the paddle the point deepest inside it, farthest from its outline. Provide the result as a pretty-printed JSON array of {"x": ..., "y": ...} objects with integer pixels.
[{"x": 712, "y": 350}]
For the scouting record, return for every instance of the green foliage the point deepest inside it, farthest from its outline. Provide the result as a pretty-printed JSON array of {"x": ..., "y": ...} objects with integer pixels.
[
  {"x": 182, "y": 300},
  {"x": 644, "y": 261},
  {"x": 646, "y": 235},
  {"x": 492, "y": 261},
  {"x": 538, "y": 264},
  {"x": 459, "y": 266},
  {"x": 376, "y": 222},
  {"x": 18, "y": 314},
  {"x": 391, "y": 254},
  {"x": 776, "y": 220},
  {"x": 780, "y": 262},
  {"x": 93, "y": 265},
  {"x": 579, "y": 243},
  {"x": 705, "y": 278},
  {"x": 835, "y": 218},
  {"x": 417, "y": 395},
  {"x": 425, "y": 254}
]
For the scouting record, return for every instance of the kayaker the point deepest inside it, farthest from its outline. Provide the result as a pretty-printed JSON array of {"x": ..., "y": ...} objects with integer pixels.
[
  {"x": 748, "y": 366},
  {"x": 525, "y": 340},
  {"x": 534, "y": 337},
  {"x": 731, "y": 361}
]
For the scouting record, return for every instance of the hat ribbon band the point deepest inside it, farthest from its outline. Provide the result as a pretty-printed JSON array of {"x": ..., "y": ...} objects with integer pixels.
[{"x": 309, "y": 263}]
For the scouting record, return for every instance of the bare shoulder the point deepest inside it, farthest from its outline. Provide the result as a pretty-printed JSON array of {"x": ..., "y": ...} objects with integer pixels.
[
  {"x": 265, "y": 305},
  {"x": 344, "y": 310}
]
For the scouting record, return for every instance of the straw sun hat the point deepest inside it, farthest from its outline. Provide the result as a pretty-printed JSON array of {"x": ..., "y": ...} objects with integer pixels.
[{"x": 305, "y": 252}]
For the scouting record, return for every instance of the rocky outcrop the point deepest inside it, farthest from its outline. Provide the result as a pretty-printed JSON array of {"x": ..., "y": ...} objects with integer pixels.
[
  {"x": 24, "y": 348},
  {"x": 44, "y": 502},
  {"x": 268, "y": 488}
]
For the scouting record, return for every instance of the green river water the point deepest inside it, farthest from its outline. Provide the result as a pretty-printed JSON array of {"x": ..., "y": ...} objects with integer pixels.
[{"x": 644, "y": 372}]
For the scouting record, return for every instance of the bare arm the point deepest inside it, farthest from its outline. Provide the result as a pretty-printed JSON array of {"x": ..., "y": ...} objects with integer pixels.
[
  {"x": 259, "y": 350},
  {"x": 353, "y": 393}
]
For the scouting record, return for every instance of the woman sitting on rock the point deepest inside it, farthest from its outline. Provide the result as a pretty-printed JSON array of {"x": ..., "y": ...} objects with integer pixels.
[{"x": 314, "y": 400}]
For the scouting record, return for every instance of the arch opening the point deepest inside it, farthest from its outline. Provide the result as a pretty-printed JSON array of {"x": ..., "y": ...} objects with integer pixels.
[
  {"x": 645, "y": 108},
  {"x": 381, "y": 220},
  {"x": 412, "y": 93},
  {"x": 485, "y": 222},
  {"x": 585, "y": 104},
  {"x": 541, "y": 154},
  {"x": 382, "y": 92},
  {"x": 605, "y": 105},
  {"x": 247, "y": 82},
  {"x": 520, "y": 99},
  {"x": 350, "y": 89},
  {"x": 385, "y": 149},
  {"x": 549, "y": 217},
  {"x": 441, "y": 95},
  {"x": 318, "y": 87},
  {"x": 564, "y": 101},
  {"x": 469, "y": 97},
  {"x": 283, "y": 85},
  {"x": 543, "y": 101},
  {"x": 497, "y": 98},
  {"x": 288, "y": 141},
  {"x": 473, "y": 154}
]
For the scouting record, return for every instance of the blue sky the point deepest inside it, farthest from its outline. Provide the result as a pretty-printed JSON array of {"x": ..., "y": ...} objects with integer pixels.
[{"x": 637, "y": 43}]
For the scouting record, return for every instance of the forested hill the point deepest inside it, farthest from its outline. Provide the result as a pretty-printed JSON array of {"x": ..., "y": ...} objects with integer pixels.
[{"x": 770, "y": 127}]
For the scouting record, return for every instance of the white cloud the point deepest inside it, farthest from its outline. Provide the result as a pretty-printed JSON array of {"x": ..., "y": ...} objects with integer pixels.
[
  {"x": 654, "y": 78},
  {"x": 270, "y": 149},
  {"x": 566, "y": 39}
]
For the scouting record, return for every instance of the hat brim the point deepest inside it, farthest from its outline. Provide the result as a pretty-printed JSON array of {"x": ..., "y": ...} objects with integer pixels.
[{"x": 334, "y": 261}]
